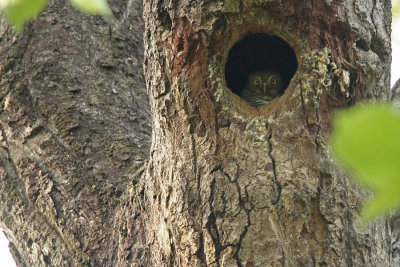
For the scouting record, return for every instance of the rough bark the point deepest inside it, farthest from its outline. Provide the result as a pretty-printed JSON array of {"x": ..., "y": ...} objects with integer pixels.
[
  {"x": 75, "y": 128},
  {"x": 224, "y": 184},
  {"x": 228, "y": 184}
]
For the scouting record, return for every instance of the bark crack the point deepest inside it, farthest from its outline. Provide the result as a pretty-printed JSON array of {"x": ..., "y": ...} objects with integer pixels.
[
  {"x": 318, "y": 124},
  {"x": 211, "y": 225},
  {"x": 200, "y": 254},
  {"x": 279, "y": 189},
  {"x": 242, "y": 235},
  {"x": 243, "y": 207}
]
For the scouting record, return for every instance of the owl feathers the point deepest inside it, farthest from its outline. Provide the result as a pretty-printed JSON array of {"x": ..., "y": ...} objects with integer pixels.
[{"x": 262, "y": 87}]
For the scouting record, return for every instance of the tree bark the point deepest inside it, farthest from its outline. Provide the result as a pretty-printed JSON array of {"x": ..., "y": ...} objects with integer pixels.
[
  {"x": 228, "y": 184},
  {"x": 86, "y": 181},
  {"x": 75, "y": 135}
]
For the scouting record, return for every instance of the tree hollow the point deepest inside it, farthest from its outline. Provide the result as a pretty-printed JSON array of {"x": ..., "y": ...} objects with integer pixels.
[{"x": 256, "y": 52}]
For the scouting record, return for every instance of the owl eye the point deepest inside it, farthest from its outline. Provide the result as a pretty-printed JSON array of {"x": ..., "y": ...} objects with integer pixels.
[
  {"x": 255, "y": 81},
  {"x": 274, "y": 81}
]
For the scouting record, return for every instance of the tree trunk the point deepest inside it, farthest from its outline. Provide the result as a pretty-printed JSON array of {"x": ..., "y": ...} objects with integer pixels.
[
  {"x": 75, "y": 135},
  {"x": 224, "y": 183}
]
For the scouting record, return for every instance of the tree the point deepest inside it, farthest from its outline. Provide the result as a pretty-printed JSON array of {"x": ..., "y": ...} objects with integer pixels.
[{"x": 222, "y": 183}]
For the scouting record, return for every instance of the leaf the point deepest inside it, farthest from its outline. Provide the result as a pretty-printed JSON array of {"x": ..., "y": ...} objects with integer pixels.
[
  {"x": 366, "y": 139},
  {"x": 395, "y": 8},
  {"x": 20, "y": 11},
  {"x": 95, "y": 7}
]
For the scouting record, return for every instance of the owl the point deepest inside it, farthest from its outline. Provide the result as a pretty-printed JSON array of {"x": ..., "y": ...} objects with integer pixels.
[{"x": 262, "y": 87}]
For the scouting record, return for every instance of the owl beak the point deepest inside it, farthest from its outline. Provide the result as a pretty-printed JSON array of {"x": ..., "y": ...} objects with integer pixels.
[{"x": 265, "y": 88}]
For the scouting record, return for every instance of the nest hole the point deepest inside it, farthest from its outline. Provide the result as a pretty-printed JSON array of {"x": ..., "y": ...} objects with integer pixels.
[{"x": 258, "y": 52}]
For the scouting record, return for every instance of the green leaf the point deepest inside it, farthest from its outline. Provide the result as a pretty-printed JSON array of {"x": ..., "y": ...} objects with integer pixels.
[
  {"x": 20, "y": 11},
  {"x": 95, "y": 7},
  {"x": 366, "y": 139},
  {"x": 395, "y": 8}
]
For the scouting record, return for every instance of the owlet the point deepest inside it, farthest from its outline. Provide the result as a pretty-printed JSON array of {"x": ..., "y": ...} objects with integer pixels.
[{"x": 262, "y": 87}]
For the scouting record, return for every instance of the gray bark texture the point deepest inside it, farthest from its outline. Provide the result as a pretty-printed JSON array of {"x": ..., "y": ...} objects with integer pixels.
[{"x": 90, "y": 177}]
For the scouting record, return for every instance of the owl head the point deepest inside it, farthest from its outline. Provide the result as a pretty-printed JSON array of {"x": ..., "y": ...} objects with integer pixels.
[{"x": 266, "y": 83}]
